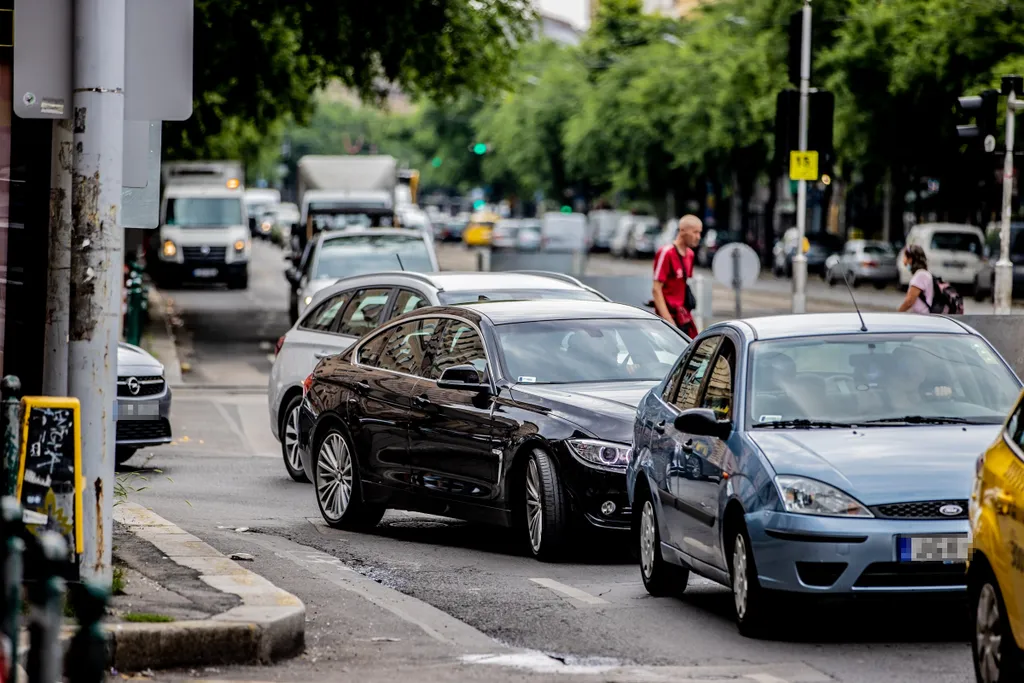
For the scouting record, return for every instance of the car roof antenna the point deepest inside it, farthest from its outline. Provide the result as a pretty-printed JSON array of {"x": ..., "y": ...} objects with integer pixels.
[
  {"x": 846, "y": 281},
  {"x": 400, "y": 265}
]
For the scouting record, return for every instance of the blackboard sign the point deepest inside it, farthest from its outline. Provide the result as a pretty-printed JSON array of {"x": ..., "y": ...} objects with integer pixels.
[{"x": 50, "y": 471}]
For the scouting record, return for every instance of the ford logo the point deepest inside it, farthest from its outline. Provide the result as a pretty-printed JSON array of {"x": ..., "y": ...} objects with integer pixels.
[{"x": 950, "y": 510}]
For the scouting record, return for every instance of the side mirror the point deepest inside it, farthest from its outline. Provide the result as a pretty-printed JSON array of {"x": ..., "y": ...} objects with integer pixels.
[
  {"x": 463, "y": 378},
  {"x": 702, "y": 422}
]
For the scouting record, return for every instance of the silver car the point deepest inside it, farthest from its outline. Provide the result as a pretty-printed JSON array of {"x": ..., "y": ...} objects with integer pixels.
[
  {"x": 143, "y": 402},
  {"x": 863, "y": 261},
  {"x": 338, "y": 315}
]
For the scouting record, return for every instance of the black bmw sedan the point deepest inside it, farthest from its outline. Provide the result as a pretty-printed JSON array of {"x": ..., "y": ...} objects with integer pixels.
[{"x": 511, "y": 413}]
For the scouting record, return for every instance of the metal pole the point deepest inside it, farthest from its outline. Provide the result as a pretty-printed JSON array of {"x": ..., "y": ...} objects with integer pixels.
[
  {"x": 11, "y": 391},
  {"x": 800, "y": 259},
  {"x": 97, "y": 263},
  {"x": 736, "y": 281},
  {"x": 58, "y": 283},
  {"x": 1003, "y": 294}
]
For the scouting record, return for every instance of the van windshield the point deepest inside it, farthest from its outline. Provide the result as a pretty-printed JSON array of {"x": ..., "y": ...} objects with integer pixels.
[
  {"x": 957, "y": 241},
  {"x": 203, "y": 212}
]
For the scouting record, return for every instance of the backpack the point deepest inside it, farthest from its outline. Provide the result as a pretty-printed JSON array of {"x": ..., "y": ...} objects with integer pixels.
[{"x": 945, "y": 298}]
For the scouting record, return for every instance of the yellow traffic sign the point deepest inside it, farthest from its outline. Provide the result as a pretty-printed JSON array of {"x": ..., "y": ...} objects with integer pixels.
[{"x": 803, "y": 165}]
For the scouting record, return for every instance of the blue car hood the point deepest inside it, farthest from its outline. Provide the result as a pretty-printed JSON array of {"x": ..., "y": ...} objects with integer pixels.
[{"x": 882, "y": 464}]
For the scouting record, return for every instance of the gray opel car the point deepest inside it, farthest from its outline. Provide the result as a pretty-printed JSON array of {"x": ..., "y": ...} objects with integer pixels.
[{"x": 143, "y": 402}]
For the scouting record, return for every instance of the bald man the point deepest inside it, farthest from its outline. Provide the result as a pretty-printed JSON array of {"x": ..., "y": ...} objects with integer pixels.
[{"x": 673, "y": 267}]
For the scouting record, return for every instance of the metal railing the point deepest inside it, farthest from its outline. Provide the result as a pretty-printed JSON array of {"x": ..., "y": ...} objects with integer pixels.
[{"x": 136, "y": 304}]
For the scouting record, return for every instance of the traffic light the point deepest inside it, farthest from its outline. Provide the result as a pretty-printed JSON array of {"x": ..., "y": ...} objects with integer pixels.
[
  {"x": 985, "y": 109},
  {"x": 480, "y": 148},
  {"x": 436, "y": 162}
]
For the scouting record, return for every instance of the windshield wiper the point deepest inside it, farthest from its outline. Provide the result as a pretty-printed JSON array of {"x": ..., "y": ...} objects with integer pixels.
[
  {"x": 922, "y": 420},
  {"x": 802, "y": 423}
]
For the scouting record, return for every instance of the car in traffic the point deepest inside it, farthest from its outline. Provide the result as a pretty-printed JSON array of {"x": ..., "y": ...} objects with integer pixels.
[
  {"x": 636, "y": 236},
  {"x": 985, "y": 280},
  {"x": 819, "y": 247},
  {"x": 331, "y": 256},
  {"x": 818, "y": 454},
  {"x": 516, "y": 233},
  {"x": 995, "y": 586},
  {"x": 355, "y": 306},
  {"x": 515, "y": 413},
  {"x": 863, "y": 261},
  {"x": 143, "y": 416},
  {"x": 713, "y": 241},
  {"x": 477, "y": 232},
  {"x": 955, "y": 252}
]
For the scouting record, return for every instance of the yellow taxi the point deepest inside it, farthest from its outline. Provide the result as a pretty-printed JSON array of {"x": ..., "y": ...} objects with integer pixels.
[
  {"x": 995, "y": 573},
  {"x": 478, "y": 232}
]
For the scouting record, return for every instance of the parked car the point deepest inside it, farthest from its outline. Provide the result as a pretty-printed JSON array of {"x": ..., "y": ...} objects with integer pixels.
[
  {"x": 512, "y": 413},
  {"x": 478, "y": 231},
  {"x": 143, "y": 402},
  {"x": 820, "y": 245},
  {"x": 985, "y": 280},
  {"x": 635, "y": 237},
  {"x": 804, "y": 455},
  {"x": 517, "y": 233},
  {"x": 954, "y": 252},
  {"x": 712, "y": 242},
  {"x": 863, "y": 261},
  {"x": 602, "y": 225},
  {"x": 334, "y": 255},
  {"x": 452, "y": 228},
  {"x": 341, "y": 313},
  {"x": 995, "y": 588}
]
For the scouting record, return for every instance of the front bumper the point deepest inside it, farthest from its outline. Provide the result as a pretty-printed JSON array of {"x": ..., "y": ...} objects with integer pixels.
[
  {"x": 207, "y": 271},
  {"x": 589, "y": 488},
  {"x": 144, "y": 421},
  {"x": 807, "y": 554}
]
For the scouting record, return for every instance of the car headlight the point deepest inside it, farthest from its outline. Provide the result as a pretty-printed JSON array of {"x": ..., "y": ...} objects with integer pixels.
[
  {"x": 811, "y": 497},
  {"x": 601, "y": 453},
  {"x": 307, "y": 300},
  {"x": 265, "y": 226},
  {"x": 169, "y": 250},
  {"x": 239, "y": 245}
]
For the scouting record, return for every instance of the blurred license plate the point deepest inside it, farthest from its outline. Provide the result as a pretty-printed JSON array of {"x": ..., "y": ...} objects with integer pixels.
[
  {"x": 933, "y": 548},
  {"x": 138, "y": 410},
  {"x": 204, "y": 272},
  {"x": 955, "y": 264}
]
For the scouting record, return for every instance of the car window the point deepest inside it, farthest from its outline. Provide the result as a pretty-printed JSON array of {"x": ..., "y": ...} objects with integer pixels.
[
  {"x": 957, "y": 241},
  {"x": 878, "y": 250},
  {"x": 405, "y": 347},
  {"x": 408, "y": 300},
  {"x": 363, "y": 313},
  {"x": 345, "y": 256},
  {"x": 718, "y": 395},
  {"x": 370, "y": 350},
  {"x": 457, "y": 344},
  {"x": 694, "y": 371},
  {"x": 323, "y": 316},
  {"x": 1015, "y": 426}
]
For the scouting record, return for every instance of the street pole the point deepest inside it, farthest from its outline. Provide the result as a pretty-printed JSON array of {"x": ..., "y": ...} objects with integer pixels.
[
  {"x": 58, "y": 283},
  {"x": 1003, "y": 287},
  {"x": 97, "y": 263},
  {"x": 800, "y": 258}
]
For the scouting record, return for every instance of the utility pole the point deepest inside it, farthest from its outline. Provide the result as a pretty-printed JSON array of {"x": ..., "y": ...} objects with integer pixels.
[
  {"x": 58, "y": 283},
  {"x": 1003, "y": 289},
  {"x": 97, "y": 262},
  {"x": 800, "y": 258}
]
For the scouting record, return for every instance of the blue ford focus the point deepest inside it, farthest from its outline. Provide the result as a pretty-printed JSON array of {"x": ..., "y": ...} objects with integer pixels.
[{"x": 815, "y": 454}]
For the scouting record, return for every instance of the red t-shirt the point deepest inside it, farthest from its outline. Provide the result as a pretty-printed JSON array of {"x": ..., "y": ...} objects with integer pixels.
[{"x": 672, "y": 270}]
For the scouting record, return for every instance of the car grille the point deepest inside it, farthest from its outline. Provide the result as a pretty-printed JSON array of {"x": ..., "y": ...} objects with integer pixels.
[
  {"x": 215, "y": 255},
  {"x": 143, "y": 430},
  {"x": 912, "y": 575},
  {"x": 928, "y": 509},
  {"x": 148, "y": 386}
]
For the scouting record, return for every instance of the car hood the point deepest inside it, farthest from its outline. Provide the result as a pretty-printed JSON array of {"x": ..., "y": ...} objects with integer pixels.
[
  {"x": 606, "y": 409},
  {"x": 134, "y": 361},
  {"x": 883, "y": 464}
]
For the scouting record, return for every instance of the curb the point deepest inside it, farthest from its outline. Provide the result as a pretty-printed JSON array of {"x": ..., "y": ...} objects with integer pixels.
[
  {"x": 270, "y": 623},
  {"x": 163, "y": 343}
]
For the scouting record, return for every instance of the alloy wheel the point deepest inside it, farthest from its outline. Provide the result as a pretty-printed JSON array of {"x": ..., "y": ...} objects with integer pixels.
[
  {"x": 291, "y": 440},
  {"x": 334, "y": 476},
  {"x": 534, "y": 506},
  {"x": 739, "y": 576},
  {"x": 647, "y": 536},
  {"x": 988, "y": 634}
]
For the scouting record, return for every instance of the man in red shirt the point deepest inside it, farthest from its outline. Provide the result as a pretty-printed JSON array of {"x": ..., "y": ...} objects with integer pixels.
[{"x": 673, "y": 267}]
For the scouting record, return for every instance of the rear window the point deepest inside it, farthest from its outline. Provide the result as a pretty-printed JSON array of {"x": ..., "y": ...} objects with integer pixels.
[
  {"x": 454, "y": 298},
  {"x": 360, "y": 254},
  {"x": 878, "y": 249},
  {"x": 957, "y": 241}
]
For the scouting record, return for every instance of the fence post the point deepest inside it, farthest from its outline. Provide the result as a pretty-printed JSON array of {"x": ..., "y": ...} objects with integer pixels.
[
  {"x": 13, "y": 550},
  {"x": 10, "y": 389},
  {"x": 88, "y": 649},
  {"x": 133, "y": 314},
  {"x": 45, "y": 663}
]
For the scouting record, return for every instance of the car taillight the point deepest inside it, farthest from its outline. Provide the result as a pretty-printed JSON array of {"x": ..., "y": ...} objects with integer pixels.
[
  {"x": 869, "y": 264},
  {"x": 306, "y": 384},
  {"x": 280, "y": 343}
]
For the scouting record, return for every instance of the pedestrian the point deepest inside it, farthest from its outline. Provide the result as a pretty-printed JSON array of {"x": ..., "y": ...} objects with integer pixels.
[
  {"x": 673, "y": 268},
  {"x": 921, "y": 291}
]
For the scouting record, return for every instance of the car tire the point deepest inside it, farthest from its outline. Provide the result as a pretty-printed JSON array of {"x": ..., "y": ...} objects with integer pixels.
[
  {"x": 289, "y": 431},
  {"x": 123, "y": 454},
  {"x": 880, "y": 284},
  {"x": 997, "y": 659},
  {"x": 661, "y": 578},
  {"x": 545, "y": 508},
  {"x": 749, "y": 598},
  {"x": 338, "y": 489}
]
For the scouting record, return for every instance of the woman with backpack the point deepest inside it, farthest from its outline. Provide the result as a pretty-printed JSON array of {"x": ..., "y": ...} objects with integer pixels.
[{"x": 927, "y": 293}]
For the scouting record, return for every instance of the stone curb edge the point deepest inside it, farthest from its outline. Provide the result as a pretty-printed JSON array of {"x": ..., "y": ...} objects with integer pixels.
[{"x": 270, "y": 623}]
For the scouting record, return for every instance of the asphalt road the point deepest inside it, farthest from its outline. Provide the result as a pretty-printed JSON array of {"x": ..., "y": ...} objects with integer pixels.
[{"x": 224, "y": 472}]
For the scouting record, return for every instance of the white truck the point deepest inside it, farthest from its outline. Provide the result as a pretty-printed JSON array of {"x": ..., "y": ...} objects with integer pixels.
[{"x": 204, "y": 232}]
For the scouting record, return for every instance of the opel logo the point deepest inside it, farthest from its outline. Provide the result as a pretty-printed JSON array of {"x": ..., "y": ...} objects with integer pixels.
[
  {"x": 133, "y": 386},
  {"x": 204, "y": 250},
  {"x": 950, "y": 510}
]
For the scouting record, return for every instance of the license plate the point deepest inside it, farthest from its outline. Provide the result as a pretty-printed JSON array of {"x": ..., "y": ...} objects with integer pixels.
[
  {"x": 138, "y": 410},
  {"x": 948, "y": 549},
  {"x": 204, "y": 272},
  {"x": 955, "y": 264}
]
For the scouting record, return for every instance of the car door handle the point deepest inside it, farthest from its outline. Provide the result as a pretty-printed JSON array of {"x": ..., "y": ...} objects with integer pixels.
[
  {"x": 362, "y": 386},
  {"x": 422, "y": 401},
  {"x": 660, "y": 427}
]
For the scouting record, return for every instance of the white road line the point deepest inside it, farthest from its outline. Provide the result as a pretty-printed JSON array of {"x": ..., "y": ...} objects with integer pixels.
[{"x": 569, "y": 591}]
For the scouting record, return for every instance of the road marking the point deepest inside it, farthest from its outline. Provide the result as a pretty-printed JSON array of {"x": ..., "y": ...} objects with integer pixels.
[{"x": 571, "y": 592}]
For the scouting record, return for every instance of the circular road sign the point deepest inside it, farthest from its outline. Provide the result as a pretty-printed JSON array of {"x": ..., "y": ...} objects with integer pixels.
[{"x": 725, "y": 265}]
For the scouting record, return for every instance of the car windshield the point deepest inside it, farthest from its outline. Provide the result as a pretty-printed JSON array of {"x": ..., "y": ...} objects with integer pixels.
[
  {"x": 957, "y": 241},
  {"x": 359, "y": 254},
  {"x": 465, "y": 297},
  {"x": 591, "y": 350},
  {"x": 203, "y": 212},
  {"x": 878, "y": 249},
  {"x": 875, "y": 378}
]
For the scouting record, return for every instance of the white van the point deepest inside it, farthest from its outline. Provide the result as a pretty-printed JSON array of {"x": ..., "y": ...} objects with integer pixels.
[{"x": 954, "y": 251}]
